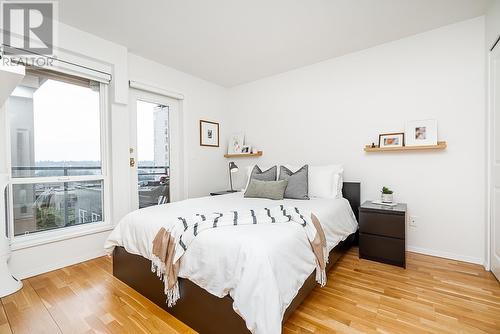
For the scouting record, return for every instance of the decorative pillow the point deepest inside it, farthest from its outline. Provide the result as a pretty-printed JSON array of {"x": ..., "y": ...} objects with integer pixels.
[
  {"x": 266, "y": 189},
  {"x": 256, "y": 173},
  {"x": 298, "y": 183}
]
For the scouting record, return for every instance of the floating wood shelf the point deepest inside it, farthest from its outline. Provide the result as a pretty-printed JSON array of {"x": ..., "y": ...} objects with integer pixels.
[
  {"x": 441, "y": 145},
  {"x": 243, "y": 155}
]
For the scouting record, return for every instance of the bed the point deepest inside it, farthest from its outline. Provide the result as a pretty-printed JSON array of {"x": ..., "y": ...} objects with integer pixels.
[{"x": 217, "y": 293}]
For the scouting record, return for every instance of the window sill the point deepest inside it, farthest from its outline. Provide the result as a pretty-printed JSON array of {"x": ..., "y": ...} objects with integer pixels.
[{"x": 41, "y": 238}]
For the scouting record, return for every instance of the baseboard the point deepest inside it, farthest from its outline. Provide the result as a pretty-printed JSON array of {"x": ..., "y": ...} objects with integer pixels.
[
  {"x": 446, "y": 255},
  {"x": 36, "y": 260},
  {"x": 58, "y": 265}
]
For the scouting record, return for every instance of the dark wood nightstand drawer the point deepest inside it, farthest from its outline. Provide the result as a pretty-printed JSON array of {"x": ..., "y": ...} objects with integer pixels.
[
  {"x": 383, "y": 249},
  {"x": 389, "y": 225}
]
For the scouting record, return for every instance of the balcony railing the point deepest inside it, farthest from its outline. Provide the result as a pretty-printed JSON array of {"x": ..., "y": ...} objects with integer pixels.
[
  {"x": 67, "y": 169},
  {"x": 166, "y": 170},
  {"x": 64, "y": 168},
  {"x": 45, "y": 171},
  {"x": 153, "y": 185}
]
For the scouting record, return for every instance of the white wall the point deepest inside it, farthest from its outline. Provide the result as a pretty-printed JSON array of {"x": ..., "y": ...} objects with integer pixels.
[{"x": 327, "y": 112}]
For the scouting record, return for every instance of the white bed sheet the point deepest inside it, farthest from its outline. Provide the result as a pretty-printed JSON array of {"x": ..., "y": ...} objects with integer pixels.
[{"x": 262, "y": 267}]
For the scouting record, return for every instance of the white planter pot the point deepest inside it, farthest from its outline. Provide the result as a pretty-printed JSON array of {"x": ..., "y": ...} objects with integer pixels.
[{"x": 387, "y": 198}]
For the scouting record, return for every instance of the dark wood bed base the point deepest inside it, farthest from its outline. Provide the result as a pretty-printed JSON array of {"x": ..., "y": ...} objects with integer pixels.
[{"x": 202, "y": 311}]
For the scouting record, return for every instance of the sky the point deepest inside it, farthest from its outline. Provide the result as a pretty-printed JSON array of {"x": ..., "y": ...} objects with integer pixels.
[
  {"x": 145, "y": 131},
  {"x": 67, "y": 124}
]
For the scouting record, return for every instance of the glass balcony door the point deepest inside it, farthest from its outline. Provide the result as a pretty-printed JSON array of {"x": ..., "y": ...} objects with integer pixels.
[
  {"x": 153, "y": 179},
  {"x": 150, "y": 149}
]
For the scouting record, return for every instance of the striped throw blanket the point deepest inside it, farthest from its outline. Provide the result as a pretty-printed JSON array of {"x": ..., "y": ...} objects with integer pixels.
[{"x": 171, "y": 243}]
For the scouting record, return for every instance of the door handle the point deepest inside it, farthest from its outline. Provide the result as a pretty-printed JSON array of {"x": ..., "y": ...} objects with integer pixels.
[{"x": 132, "y": 162}]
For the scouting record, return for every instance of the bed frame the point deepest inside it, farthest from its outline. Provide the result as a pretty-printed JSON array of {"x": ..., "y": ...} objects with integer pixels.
[{"x": 201, "y": 310}]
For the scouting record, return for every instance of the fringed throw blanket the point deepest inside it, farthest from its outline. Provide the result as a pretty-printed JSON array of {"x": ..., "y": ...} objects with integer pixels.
[{"x": 169, "y": 245}]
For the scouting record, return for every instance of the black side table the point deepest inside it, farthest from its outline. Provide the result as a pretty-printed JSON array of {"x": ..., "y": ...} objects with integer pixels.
[
  {"x": 382, "y": 233},
  {"x": 224, "y": 192}
]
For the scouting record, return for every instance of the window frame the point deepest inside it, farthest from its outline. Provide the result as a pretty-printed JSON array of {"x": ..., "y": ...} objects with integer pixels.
[{"x": 43, "y": 237}]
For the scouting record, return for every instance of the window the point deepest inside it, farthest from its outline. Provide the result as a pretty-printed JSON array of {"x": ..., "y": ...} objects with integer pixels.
[{"x": 55, "y": 144}]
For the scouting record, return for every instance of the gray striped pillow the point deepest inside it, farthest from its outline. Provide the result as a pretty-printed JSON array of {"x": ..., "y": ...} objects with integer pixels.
[
  {"x": 267, "y": 175},
  {"x": 298, "y": 182}
]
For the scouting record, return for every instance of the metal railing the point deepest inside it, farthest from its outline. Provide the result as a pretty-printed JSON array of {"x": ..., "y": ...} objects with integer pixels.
[
  {"x": 65, "y": 169},
  {"x": 165, "y": 168}
]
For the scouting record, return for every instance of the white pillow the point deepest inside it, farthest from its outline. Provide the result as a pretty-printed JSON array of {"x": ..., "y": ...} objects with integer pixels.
[
  {"x": 324, "y": 181},
  {"x": 338, "y": 181}
]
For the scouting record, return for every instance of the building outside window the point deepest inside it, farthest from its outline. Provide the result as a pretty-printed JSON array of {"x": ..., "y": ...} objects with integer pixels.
[
  {"x": 96, "y": 217},
  {"x": 81, "y": 216}
]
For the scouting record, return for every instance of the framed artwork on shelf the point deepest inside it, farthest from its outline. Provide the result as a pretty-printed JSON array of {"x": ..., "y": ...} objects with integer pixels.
[
  {"x": 235, "y": 144},
  {"x": 209, "y": 133},
  {"x": 421, "y": 133},
  {"x": 391, "y": 139},
  {"x": 246, "y": 149}
]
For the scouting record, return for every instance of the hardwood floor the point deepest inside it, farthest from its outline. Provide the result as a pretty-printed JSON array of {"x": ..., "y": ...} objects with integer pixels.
[
  {"x": 432, "y": 295},
  {"x": 84, "y": 298}
]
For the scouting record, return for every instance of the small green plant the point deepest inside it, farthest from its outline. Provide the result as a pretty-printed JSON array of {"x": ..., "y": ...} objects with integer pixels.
[{"x": 386, "y": 190}]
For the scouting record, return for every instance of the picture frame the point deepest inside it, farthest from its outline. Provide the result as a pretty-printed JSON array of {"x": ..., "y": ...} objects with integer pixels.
[
  {"x": 421, "y": 132},
  {"x": 246, "y": 149},
  {"x": 396, "y": 139},
  {"x": 209, "y": 133},
  {"x": 235, "y": 143}
]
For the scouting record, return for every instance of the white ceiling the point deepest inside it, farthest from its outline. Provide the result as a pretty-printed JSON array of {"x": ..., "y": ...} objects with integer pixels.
[{"x": 235, "y": 41}]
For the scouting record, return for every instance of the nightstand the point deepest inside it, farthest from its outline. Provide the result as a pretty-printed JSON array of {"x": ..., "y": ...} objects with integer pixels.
[
  {"x": 224, "y": 192},
  {"x": 382, "y": 233}
]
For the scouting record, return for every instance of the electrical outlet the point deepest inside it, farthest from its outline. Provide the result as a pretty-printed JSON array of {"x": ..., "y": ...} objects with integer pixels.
[{"x": 413, "y": 221}]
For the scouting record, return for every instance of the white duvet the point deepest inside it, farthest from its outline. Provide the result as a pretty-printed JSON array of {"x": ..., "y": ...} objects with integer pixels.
[{"x": 262, "y": 267}]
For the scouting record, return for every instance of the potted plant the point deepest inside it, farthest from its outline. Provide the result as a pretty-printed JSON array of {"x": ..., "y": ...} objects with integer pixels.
[{"x": 386, "y": 195}]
